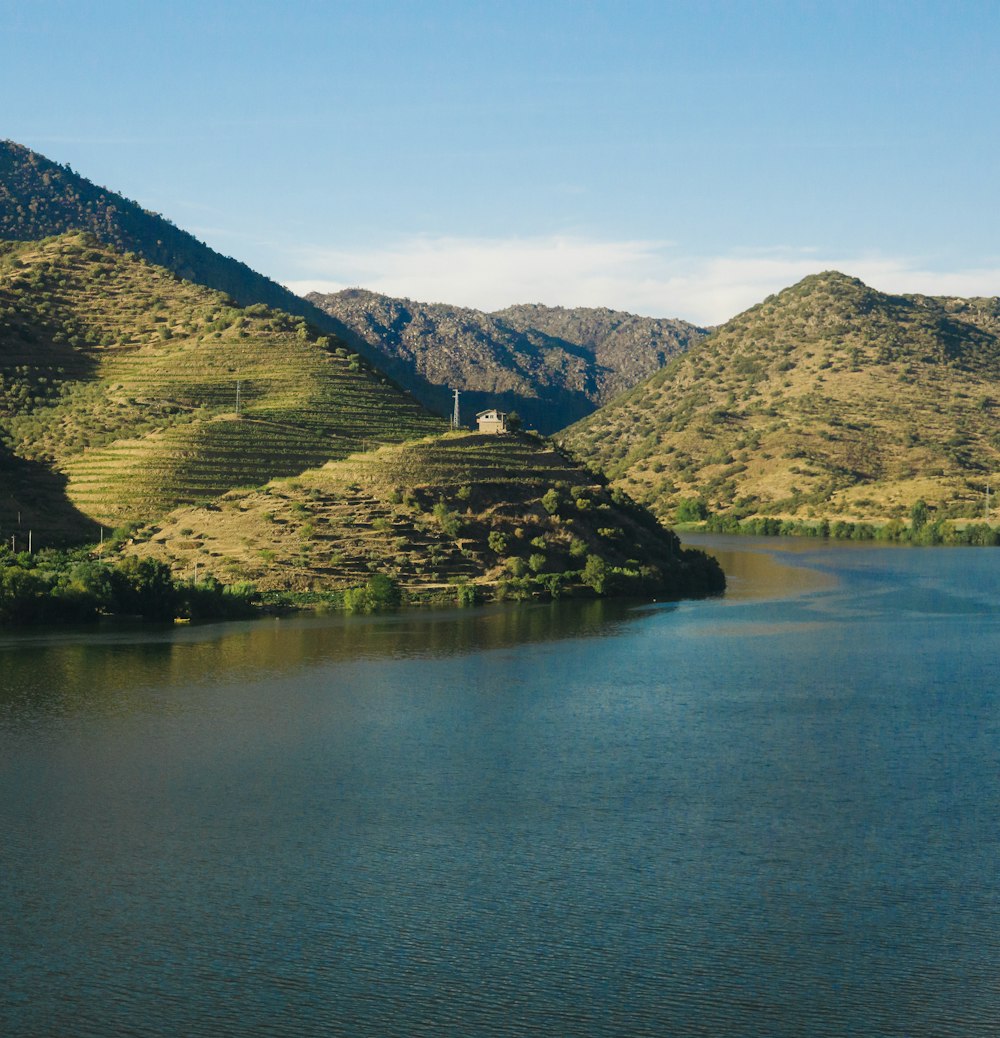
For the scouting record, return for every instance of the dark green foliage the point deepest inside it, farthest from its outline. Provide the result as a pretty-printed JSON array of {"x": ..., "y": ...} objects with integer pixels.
[
  {"x": 145, "y": 587},
  {"x": 71, "y": 587},
  {"x": 379, "y": 594},
  {"x": 691, "y": 510}
]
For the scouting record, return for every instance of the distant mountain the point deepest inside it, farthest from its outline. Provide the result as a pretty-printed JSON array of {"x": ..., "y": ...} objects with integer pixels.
[
  {"x": 40, "y": 198},
  {"x": 828, "y": 399},
  {"x": 126, "y": 391},
  {"x": 551, "y": 365}
]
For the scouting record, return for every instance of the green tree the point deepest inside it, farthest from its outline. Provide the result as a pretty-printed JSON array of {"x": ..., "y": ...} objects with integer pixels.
[
  {"x": 691, "y": 510},
  {"x": 595, "y": 573},
  {"x": 919, "y": 515},
  {"x": 145, "y": 587}
]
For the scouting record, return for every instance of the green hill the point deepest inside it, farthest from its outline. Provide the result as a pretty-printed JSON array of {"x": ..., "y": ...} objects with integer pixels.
[
  {"x": 829, "y": 399},
  {"x": 40, "y": 198},
  {"x": 551, "y": 365},
  {"x": 119, "y": 383},
  {"x": 507, "y": 513}
]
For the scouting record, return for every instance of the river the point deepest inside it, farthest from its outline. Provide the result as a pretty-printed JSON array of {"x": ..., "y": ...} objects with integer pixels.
[{"x": 774, "y": 813}]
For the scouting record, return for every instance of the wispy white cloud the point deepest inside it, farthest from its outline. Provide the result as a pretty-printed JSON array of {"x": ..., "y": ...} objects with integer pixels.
[{"x": 645, "y": 277}]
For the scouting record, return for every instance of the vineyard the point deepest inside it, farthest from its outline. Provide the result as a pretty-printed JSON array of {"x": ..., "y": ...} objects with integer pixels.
[
  {"x": 139, "y": 391},
  {"x": 461, "y": 509}
]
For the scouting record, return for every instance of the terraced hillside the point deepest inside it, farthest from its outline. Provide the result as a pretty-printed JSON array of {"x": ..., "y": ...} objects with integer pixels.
[
  {"x": 460, "y": 509},
  {"x": 551, "y": 365},
  {"x": 829, "y": 399},
  {"x": 139, "y": 391}
]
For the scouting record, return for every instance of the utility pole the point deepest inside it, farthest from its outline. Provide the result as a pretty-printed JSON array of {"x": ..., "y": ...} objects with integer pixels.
[
  {"x": 987, "y": 502},
  {"x": 237, "y": 398},
  {"x": 456, "y": 421}
]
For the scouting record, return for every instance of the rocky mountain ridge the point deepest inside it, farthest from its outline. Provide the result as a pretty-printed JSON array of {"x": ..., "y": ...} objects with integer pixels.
[{"x": 552, "y": 365}]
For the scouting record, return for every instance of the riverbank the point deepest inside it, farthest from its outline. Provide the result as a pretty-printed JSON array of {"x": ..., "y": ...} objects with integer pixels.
[{"x": 921, "y": 530}]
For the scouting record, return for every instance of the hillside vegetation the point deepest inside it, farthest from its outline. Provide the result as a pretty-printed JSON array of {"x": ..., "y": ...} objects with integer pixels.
[
  {"x": 829, "y": 399},
  {"x": 463, "y": 514},
  {"x": 40, "y": 198},
  {"x": 119, "y": 384},
  {"x": 551, "y": 365}
]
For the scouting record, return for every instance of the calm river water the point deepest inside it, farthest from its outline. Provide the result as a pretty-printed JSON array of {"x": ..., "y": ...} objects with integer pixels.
[{"x": 776, "y": 813}]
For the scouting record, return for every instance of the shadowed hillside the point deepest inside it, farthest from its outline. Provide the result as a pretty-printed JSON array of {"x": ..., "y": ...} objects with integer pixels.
[
  {"x": 551, "y": 365},
  {"x": 829, "y": 399}
]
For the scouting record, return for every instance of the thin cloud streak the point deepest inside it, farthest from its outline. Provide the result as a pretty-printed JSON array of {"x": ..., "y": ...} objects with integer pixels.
[{"x": 643, "y": 277}]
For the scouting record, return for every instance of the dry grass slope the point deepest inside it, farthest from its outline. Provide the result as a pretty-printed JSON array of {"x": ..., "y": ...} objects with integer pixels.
[{"x": 827, "y": 400}]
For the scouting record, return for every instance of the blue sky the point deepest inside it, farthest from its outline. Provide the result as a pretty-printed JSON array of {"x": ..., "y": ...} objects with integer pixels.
[{"x": 672, "y": 158}]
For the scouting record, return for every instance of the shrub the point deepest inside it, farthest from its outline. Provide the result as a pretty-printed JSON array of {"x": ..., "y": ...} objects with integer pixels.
[
  {"x": 551, "y": 500},
  {"x": 379, "y": 593},
  {"x": 517, "y": 567},
  {"x": 691, "y": 510},
  {"x": 448, "y": 521}
]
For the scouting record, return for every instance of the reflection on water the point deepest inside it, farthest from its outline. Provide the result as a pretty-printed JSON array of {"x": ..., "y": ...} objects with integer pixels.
[
  {"x": 118, "y": 665},
  {"x": 754, "y": 568},
  {"x": 770, "y": 815}
]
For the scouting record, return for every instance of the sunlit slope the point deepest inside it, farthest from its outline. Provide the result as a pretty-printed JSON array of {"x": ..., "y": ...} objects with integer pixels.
[
  {"x": 126, "y": 380},
  {"x": 828, "y": 399},
  {"x": 458, "y": 508}
]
